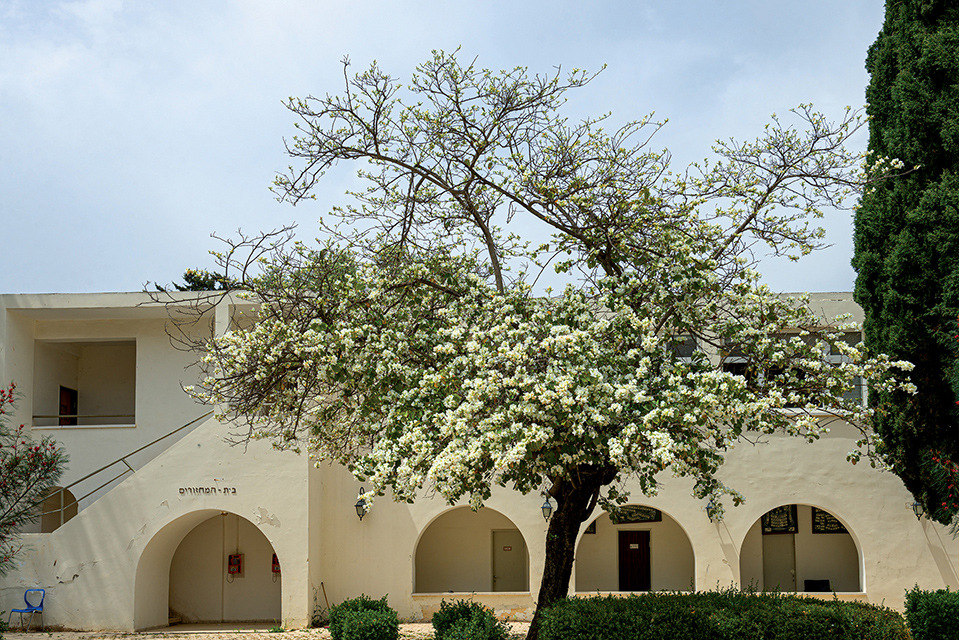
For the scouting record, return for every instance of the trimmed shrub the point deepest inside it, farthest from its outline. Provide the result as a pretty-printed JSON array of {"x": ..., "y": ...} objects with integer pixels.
[
  {"x": 465, "y": 620},
  {"x": 721, "y": 615},
  {"x": 364, "y": 619},
  {"x": 370, "y": 625},
  {"x": 932, "y": 615}
]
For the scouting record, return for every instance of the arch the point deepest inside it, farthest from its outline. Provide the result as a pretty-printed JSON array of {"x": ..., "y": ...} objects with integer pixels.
[
  {"x": 183, "y": 571},
  {"x": 468, "y": 551},
  {"x": 668, "y": 553},
  {"x": 803, "y": 548},
  {"x": 59, "y": 506}
]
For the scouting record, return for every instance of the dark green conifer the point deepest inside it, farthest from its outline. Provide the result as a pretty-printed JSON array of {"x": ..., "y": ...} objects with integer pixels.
[{"x": 905, "y": 243}]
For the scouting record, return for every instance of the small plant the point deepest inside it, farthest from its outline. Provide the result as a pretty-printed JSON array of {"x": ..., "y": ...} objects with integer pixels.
[
  {"x": 276, "y": 628},
  {"x": 465, "y": 620},
  {"x": 364, "y": 619}
]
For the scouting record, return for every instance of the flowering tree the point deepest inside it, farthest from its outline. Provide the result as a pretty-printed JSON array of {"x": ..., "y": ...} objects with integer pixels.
[
  {"x": 28, "y": 469},
  {"x": 404, "y": 349}
]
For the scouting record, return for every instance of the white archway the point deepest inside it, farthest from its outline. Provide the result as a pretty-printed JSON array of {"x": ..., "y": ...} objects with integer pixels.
[
  {"x": 183, "y": 571},
  {"x": 466, "y": 551},
  {"x": 647, "y": 550},
  {"x": 800, "y": 548}
]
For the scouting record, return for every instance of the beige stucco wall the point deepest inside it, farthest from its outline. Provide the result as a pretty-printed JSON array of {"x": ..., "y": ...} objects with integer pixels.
[{"x": 110, "y": 567}]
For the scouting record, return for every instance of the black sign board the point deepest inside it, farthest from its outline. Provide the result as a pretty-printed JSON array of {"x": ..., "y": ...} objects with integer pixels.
[
  {"x": 823, "y": 522},
  {"x": 632, "y": 513},
  {"x": 780, "y": 520}
]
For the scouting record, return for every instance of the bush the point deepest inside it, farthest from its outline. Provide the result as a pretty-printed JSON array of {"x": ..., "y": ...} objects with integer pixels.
[
  {"x": 364, "y": 619},
  {"x": 370, "y": 625},
  {"x": 722, "y": 615},
  {"x": 932, "y": 615},
  {"x": 464, "y": 620}
]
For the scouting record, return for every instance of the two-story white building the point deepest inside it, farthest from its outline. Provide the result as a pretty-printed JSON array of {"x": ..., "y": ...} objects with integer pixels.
[{"x": 161, "y": 518}]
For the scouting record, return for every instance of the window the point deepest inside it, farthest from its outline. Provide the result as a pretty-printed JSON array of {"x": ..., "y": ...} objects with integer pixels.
[{"x": 79, "y": 384}]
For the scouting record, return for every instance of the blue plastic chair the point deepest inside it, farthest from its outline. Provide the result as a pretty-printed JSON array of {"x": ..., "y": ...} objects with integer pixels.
[{"x": 30, "y": 608}]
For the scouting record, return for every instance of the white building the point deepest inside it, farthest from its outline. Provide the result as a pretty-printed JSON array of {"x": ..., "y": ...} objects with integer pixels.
[{"x": 164, "y": 519}]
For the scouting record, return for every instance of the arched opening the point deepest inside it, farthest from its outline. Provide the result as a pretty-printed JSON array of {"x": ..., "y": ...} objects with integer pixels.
[
  {"x": 58, "y": 507},
  {"x": 468, "y": 551},
  {"x": 642, "y": 549},
  {"x": 183, "y": 573},
  {"x": 800, "y": 548},
  {"x": 225, "y": 570}
]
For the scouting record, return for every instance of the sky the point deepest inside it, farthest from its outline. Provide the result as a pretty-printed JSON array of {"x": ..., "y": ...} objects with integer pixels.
[{"x": 130, "y": 131}]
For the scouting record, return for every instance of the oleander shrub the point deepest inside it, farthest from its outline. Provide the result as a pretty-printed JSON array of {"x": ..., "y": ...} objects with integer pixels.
[
  {"x": 364, "y": 619},
  {"x": 720, "y": 615},
  {"x": 465, "y": 620},
  {"x": 932, "y": 615}
]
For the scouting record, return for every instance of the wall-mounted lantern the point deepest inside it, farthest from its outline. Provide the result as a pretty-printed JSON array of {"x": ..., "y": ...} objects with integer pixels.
[
  {"x": 917, "y": 509},
  {"x": 546, "y": 509},
  {"x": 361, "y": 505},
  {"x": 711, "y": 510}
]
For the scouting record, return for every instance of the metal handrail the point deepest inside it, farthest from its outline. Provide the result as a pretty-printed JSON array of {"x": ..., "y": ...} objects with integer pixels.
[
  {"x": 122, "y": 459},
  {"x": 89, "y": 415}
]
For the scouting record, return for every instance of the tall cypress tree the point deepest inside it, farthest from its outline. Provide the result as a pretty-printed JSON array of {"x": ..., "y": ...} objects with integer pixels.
[{"x": 905, "y": 243}]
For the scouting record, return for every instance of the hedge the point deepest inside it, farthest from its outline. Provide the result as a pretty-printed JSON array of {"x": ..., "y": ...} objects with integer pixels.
[
  {"x": 719, "y": 615},
  {"x": 932, "y": 615}
]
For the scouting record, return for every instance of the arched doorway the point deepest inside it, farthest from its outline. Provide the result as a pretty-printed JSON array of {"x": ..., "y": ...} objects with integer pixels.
[
  {"x": 800, "y": 548},
  {"x": 470, "y": 551},
  {"x": 183, "y": 573},
  {"x": 224, "y": 571},
  {"x": 643, "y": 549},
  {"x": 58, "y": 507}
]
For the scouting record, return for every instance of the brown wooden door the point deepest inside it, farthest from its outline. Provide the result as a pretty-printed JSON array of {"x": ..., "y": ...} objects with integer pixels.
[
  {"x": 68, "y": 406},
  {"x": 634, "y": 561}
]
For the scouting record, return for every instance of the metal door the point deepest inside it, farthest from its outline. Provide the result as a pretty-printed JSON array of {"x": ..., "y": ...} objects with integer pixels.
[
  {"x": 509, "y": 561},
  {"x": 779, "y": 562}
]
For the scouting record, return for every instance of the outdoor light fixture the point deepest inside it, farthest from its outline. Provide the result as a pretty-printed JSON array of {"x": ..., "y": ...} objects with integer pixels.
[
  {"x": 546, "y": 508},
  {"x": 917, "y": 509},
  {"x": 361, "y": 505},
  {"x": 711, "y": 510}
]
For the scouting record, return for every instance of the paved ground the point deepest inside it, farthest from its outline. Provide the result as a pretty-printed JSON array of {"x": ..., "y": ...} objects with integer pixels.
[{"x": 411, "y": 631}]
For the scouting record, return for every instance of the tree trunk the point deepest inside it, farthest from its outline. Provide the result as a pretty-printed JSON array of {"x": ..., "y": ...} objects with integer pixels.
[{"x": 576, "y": 499}]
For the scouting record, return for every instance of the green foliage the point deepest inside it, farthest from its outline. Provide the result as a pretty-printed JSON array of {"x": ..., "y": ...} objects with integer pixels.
[
  {"x": 465, "y": 620},
  {"x": 905, "y": 244},
  {"x": 370, "y": 625},
  {"x": 201, "y": 280},
  {"x": 722, "y": 615},
  {"x": 29, "y": 469},
  {"x": 364, "y": 619},
  {"x": 932, "y": 615}
]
